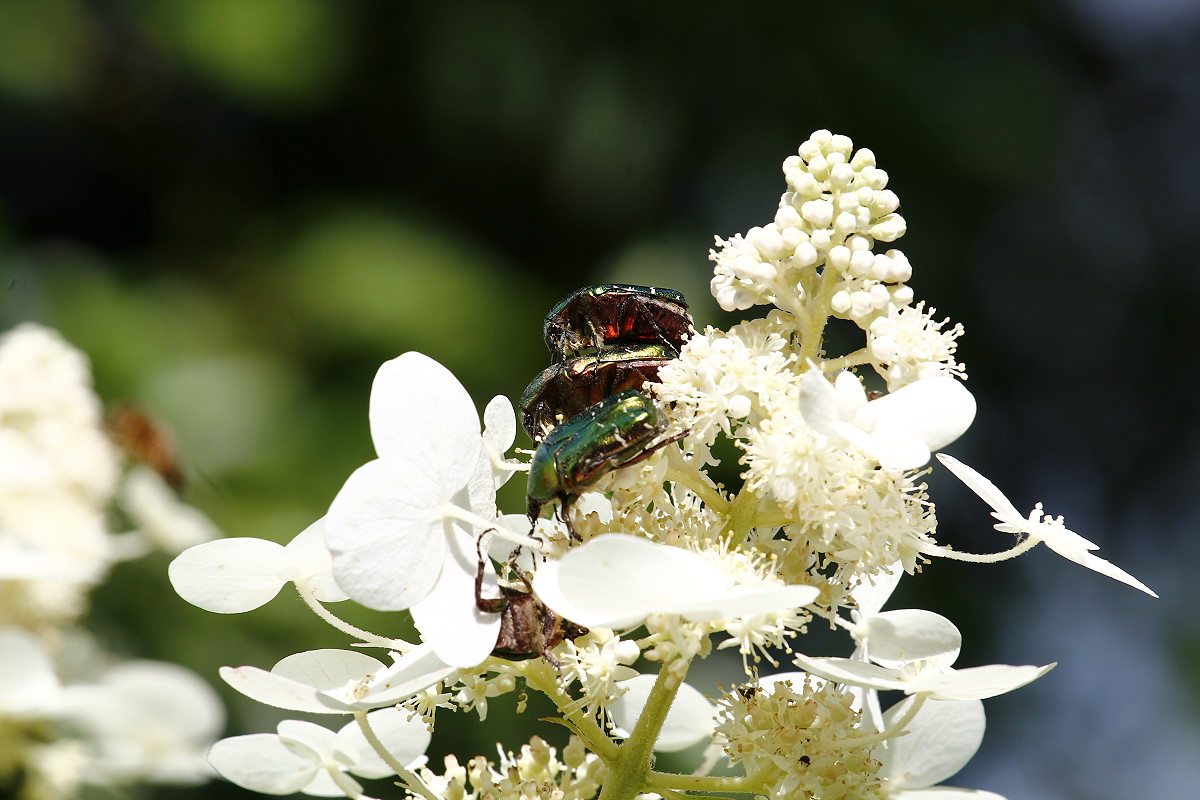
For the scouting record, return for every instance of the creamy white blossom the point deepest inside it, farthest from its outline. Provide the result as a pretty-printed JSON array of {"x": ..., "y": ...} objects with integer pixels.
[
  {"x": 1039, "y": 526},
  {"x": 338, "y": 681},
  {"x": 304, "y": 757},
  {"x": 900, "y": 429},
  {"x": 817, "y": 513},
  {"x": 400, "y": 528}
]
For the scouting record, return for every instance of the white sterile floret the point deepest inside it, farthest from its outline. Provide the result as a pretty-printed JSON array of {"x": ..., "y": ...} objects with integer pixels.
[
  {"x": 900, "y": 429},
  {"x": 303, "y": 757},
  {"x": 617, "y": 580},
  {"x": 400, "y": 529},
  {"x": 339, "y": 681},
  {"x": 145, "y": 721},
  {"x": 231, "y": 576},
  {"x": 907, "y": 345},
  {"x": 51, "y": 437},
  {"x": 499, "y": 433},
  {"x": 161, "y": 520},
  {"x": 912, "y": 651},
  {"x": 935, "y": 744},
  {"x": 690, "y": 720},
  {"x": 1039, "y": 526},
  {"x": 29, "y": 686}
]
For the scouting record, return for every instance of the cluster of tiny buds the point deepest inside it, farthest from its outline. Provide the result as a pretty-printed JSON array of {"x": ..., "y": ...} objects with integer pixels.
[{"x": 836, "y": 207}]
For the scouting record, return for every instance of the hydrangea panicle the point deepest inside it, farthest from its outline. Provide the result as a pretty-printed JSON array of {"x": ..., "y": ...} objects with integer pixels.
[{"x": 667, "y": 563}]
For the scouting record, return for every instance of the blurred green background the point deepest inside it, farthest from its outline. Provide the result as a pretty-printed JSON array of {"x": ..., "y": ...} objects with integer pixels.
[{"x": 240, "y": 208}]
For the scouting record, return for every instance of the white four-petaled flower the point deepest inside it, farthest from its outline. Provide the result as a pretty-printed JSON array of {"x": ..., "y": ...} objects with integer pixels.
[
  {"x": 901, "y": 428},
  {"x": 1040, "y": 526},
  {"x": 304, "y": 757},
  {"x": 403, "y": 528}
]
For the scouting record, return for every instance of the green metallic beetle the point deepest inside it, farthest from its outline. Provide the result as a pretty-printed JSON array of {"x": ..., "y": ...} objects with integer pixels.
[
  {"x": 563, "y": 390},
  {"x": 618, "y": 431},
  {"x": 616, "y": 313}
]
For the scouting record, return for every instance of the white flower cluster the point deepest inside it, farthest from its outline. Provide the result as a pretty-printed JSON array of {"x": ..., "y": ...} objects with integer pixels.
[
  {"x": 820, "y": 242},
  {"x": 61, "y": 481},
  {"x": 661, "y": 563},
  {"x": 536, "y": 772}
]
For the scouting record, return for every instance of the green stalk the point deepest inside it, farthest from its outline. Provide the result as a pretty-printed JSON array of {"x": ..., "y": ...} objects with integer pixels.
[
  {"x": 742, "y": 515},
  {"x": 629, "y": 772},
  {"x": 814, "y": 327}
]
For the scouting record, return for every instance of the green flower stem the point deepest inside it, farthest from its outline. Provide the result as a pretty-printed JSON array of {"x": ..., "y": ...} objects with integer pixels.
[
  {"x": 682, "y": 472},
  {"x": 814, "y": 327},
  {"x": 772, "y": 519},
  {"x": 540, "y": 675},
  {"x": 629, "y": 772},
  {"x": 742, "y": 515},
  {"x": 409, "y": 779},
  {"x": 703, "y": 783},
  {"x": 855, "y": 359}
]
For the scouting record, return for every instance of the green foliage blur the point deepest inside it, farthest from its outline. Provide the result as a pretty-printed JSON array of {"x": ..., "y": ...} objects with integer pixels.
[{"x": 240, "y": 208}]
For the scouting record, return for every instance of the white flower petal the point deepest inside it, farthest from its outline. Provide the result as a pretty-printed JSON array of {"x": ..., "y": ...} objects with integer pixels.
[
  {"x": 296, "y": 683},
  {"x": 1097, "y": 564},
  {"x": 420, "y": 413},
  {"x": 616, "y": 580},
  {"x": 946, "y": 793},
  {"x": 980, "y": 486},
  {"x": 403, "y": 733},
  {"x": 819, "y": 402},
  {"x": 499, "y": 425},
  {"x": 317, "y": 739},
  {"x": 937, "y": 743},
  {"x": 229, "y": 576},
  {"x": 448, "y": 619},
  {"x": 689, "y": 720},
  {"x": 936, "y": 410},
  {"x": 261, "y": 762},
  {"x": 911, "y": 634},
  {"x": 746, "y": 601},
  {"x": 176, "y": 700},
  {"x": 481, "y": 488},
  {"x": 28, "y": 683},
  {"x": 387, "y": 536},
  {"x": 977, "y": 683},
  {"x": 326, "y": 669},
  {"x": 853, "y": 672},
  {"x": 898, "y": 449},
  {"x": 875, "y": 589},
  {"x": 411, "y": 673},
  {"x": 310, "y": 560}
]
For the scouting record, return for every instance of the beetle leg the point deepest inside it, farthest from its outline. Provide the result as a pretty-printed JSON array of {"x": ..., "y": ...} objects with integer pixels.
[
  {"x": 564, "y": 509},
  {"x": 490, "y": 605}
]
